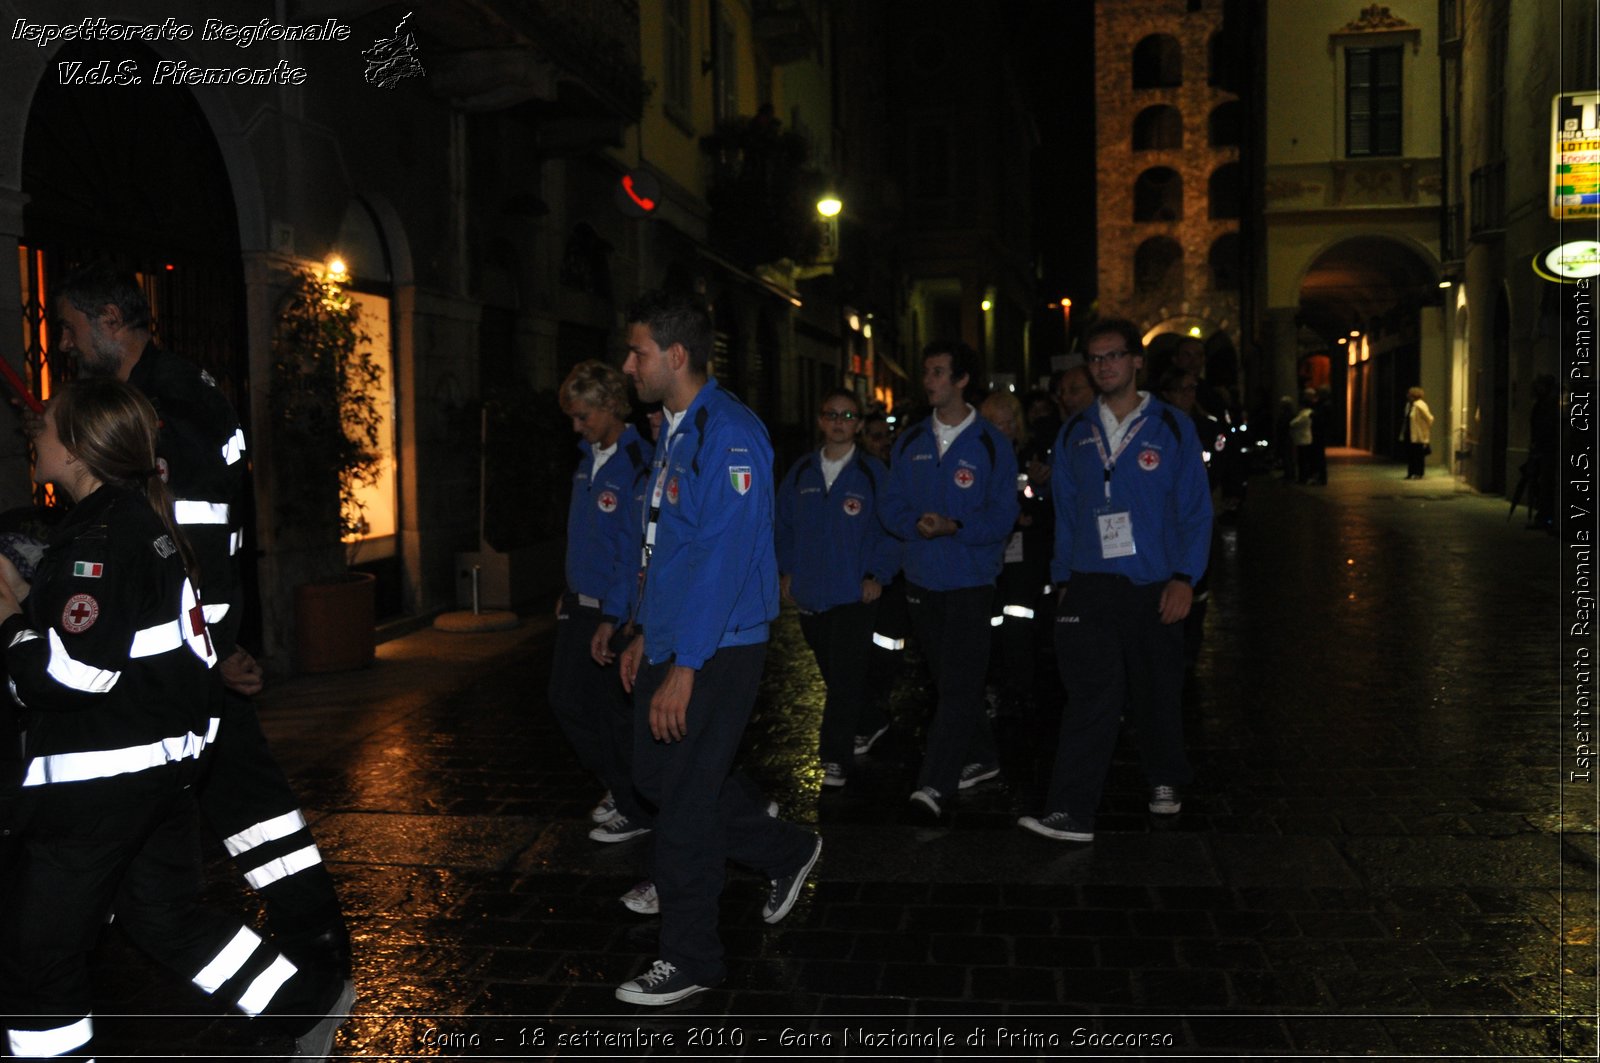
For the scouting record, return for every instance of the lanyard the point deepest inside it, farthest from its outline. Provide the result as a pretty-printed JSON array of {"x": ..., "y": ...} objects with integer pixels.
[
  {"x": 653, "y": 515},
  {"x": 1109, "y": 461}
]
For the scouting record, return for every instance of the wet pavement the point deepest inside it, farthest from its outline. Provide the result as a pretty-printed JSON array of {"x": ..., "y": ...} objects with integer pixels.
[{"x": 1377, "y": 857}]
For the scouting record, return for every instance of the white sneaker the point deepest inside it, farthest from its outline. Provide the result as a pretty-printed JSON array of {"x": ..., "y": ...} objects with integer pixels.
[
  {"x": 643, "y": 899},
  {"x": 833, "y": 775},
  {"x": 317, "y": 1042},
  {"x": 606, "y": 809}
]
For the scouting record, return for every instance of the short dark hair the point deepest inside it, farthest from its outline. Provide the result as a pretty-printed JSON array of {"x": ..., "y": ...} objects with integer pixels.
[
  {"x": 840, "y": 393},
  {"x": 1119, "y": 326},
  {"x": 963, "y": 359},
  {"x": 93, "y": 286},
  {"x": 675, "y": 318}
]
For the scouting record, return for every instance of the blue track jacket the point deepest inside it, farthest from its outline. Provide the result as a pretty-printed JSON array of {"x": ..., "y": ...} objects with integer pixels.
[
  {"x": 1159, "y": 480},
  {"x": 975, "y": 483},
  {"x": 712, "y": 580},
  {"x": 830, "y": 539},
  {"x": 603, "y": 523}
]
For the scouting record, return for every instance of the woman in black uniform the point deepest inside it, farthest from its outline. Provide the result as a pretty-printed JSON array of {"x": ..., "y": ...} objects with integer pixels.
[{"x": 112, "y": 667}]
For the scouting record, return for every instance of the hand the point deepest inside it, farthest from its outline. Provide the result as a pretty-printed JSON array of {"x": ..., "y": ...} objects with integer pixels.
[
  {"x": 13, "y": 579},
  {"x": 1176, "y": 598},
  {"x": 557, "y": 612},
  {"x": 600, "y": 644},
  {"x": 630, "y": 662},
  {"x": 932, "y": 525},
  {"x": 784, "y": 582},
  {"x": 241, "y": 673},
  {"x": 669, "y": 708},
  {"x": 870, "y": 590}
]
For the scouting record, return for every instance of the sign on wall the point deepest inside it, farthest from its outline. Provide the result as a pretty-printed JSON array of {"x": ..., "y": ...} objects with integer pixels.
[{"x": 1575, "y": 156}]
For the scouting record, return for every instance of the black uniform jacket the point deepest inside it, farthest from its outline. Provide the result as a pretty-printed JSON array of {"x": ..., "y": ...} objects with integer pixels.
[{"x": 110, "y": 660}]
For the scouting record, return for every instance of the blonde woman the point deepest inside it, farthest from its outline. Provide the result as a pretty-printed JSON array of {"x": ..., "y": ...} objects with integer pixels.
[{"x": 1416, "y": 424}]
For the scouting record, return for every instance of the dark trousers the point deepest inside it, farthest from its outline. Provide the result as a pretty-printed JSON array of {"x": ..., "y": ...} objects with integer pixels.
[
  {"x": 1016, "y": 606},
  {"x": 841, "y": 639},
  {"x": 246, "y": 800},
  {"x": 953, "y": 630},
  {"x": 591, "y": 708},
  {"x": 705, "y": 814},
  {"x": 1416, "y": 458},
  {"x": 129, "y": 847},
  {"x": 1114, "y": 651},
  {"x": 890, "y": 626}
]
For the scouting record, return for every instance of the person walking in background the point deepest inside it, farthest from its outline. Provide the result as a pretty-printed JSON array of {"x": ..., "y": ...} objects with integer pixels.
[
  {"x": 1133, "y": 532},
  {"x": 1073, "y": 388},
  {"x": 706, "y": 593},
  {"x": 1416, "y": 427},
  {"x": 113, "y": 665},
  {"x": 834, "y": 557},
  {"x": 952, "y": 500},
  {"x": 1301, "y": 432},
  {"x": 1321, "y": 432},
  {"x": 602, "y": 543}
]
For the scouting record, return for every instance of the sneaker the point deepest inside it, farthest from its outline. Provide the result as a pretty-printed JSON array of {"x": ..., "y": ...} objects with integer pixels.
[
  {"x": 643, "y": 899},
  {"x": 832, "y": 774},
  {"x": 772, "y": 810},
  {"x": 864, "y": 743},
  {"x": 1165, "y": 801},
  {"x": 618, "y": 828},
  {"x": 973, "y": 774},
  {"x": 786, "y": 890},
  {"x": 1058, "y": 825},
  {"x": 606, "y": 809},
  {"x": 927, "y": 798},
  {"x": 662, "y": 984},
  {"x": 317, "y": 1042}
]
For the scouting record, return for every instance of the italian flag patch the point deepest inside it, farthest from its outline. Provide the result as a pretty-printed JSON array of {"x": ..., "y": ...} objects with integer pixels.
[{"x": 92, "y": 569}]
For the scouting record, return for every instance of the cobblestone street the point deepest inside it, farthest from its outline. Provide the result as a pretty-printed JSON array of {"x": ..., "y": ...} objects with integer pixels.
[{"x": 1377, "y": 857}]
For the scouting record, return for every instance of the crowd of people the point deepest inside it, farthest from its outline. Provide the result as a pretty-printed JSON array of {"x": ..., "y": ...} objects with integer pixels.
[{"x": 949, "y": 531}]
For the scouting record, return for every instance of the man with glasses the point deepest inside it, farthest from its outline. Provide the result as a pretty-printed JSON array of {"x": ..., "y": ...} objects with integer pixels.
[
  {"x": 834, "y": 557},
  {"x": 952, "y": 500},
  {"x": 1133, "y": 533}
]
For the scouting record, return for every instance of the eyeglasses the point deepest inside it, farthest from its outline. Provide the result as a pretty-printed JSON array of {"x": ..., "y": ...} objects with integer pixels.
[
  {"x": 1109, "y": 356},
  {"x": 838, "y": 415}
]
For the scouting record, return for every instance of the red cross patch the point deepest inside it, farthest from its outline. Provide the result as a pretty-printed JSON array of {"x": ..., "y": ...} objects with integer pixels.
[
  {"x": 852, "y": 506},
  {"x": 80, "y": 613},
  {"x": 672, "y": 490},
  {"x": 964, "y": 478},
  {"x": 607, "y": 502},
  {"x": 1149, "y": 460},
  {"x": 161, "y": 467},
  {"x": 197, "y": 626}
]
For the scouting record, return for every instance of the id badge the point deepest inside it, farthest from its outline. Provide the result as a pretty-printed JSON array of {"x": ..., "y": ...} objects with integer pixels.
[{"x": 1116, "y": 534}]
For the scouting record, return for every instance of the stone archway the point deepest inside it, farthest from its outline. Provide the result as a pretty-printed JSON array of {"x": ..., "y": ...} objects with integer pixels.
[{"x": 1360, "y": 306}]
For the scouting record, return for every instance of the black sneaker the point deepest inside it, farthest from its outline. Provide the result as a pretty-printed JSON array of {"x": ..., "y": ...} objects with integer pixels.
[
  {"x": 864, "y": 743},
  {"x": 973, "y": 774},
  {"x": 662, "y": 984},
  {"x": 786, "y": 890},
  {"x": 618, "y": 828},
  {"x": 833, "y": 775},
  {"x": 317, "y": 1042},
  {"x": 1058, "y": 825},
  {"x": 1165, "y": 800},
  {"x": 927, "y": 799}
]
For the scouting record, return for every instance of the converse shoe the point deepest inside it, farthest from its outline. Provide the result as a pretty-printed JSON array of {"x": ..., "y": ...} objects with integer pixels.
[
  {"x": 642, "y": 899},
  {"x": 927, "y": 798},
  {"x": 605, "y": 809},
  {"x": 864, "y": 743},
  {"x": 317, "y": 1042},
  {"x": 973, "y": 774},
  {"x": 832, "y": 774},
  {"x": 1165, "y": 800},
  {"x": 1058, "y": 825},
  {"x": 786, "y": 890},
  {"x": 662, "y": 984},
  {"x": 618, "y": 828}
]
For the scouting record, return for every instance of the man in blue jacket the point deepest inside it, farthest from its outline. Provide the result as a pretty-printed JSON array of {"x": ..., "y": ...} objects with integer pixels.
[
  {"x": 953, "y": 499},
  {"x": 1133, "y": 533},
  {"x": 833, "y": 559},
  {"x": 602, "y": 557},
  {"x": 707, "y": 591}
]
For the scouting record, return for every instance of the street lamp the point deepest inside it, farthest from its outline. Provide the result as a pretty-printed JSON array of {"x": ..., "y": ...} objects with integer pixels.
[{"x": 829, "y": 206}]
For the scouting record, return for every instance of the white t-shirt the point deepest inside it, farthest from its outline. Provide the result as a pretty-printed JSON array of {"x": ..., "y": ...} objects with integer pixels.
[
  {"x": 947, "y": 433},
  {"x": 830, "y": 469}
]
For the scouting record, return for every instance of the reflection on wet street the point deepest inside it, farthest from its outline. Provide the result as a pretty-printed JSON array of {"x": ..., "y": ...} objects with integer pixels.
[{"x": 1371, "y": 860}]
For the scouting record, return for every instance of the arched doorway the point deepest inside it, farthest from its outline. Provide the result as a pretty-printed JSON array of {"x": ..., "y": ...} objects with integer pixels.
[{"x": 1361, "y": 302}]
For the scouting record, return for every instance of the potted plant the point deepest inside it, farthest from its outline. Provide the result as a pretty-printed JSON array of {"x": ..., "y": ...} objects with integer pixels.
[{"x": 325, "y": 423}]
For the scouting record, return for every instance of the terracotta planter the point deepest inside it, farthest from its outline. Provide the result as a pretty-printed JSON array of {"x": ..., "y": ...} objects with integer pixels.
[{"x": 335, "y": 623}]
